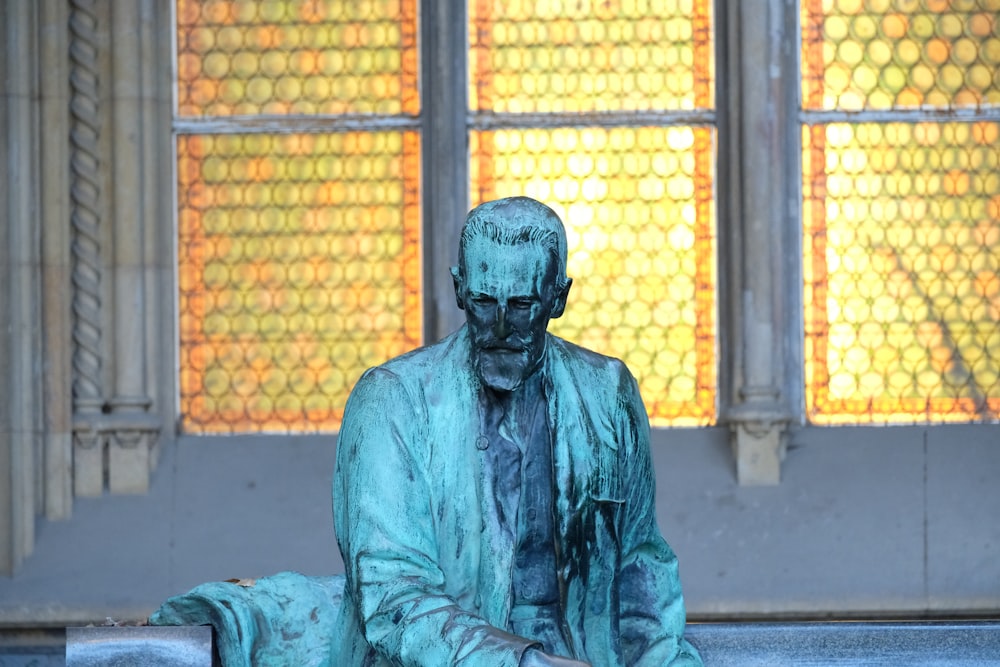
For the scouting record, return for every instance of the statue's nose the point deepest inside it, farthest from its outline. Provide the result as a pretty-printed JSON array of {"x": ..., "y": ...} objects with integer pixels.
[{"x": 501, "y": 329}]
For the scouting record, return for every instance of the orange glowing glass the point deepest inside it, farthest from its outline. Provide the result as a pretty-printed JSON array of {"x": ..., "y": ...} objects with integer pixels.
[
  {"x": 902, "y": 272},
  {"x": 298, "y": 268},
  {"x": 638, "y": 208},
  {"x": 288, "y": 57},
  {"x": 613, "y": 55},
  {"x": 901, "y": 221},
  {"x": 886, "y": 54}
]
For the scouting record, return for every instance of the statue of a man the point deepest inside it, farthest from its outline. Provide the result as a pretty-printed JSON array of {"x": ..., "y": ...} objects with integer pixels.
[{"x": 493, "y": 495}]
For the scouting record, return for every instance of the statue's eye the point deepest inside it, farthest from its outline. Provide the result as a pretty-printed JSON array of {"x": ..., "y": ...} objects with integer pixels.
[
  {"x": 522, "y": 303},
  {"x": 483, "y": 300}
]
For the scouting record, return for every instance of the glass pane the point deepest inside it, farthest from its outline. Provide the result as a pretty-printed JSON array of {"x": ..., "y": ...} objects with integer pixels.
[
  {"x": 249, "y": 57},
  {"x": 902, "y": 272},
  {"x": 637, "y": 203},
  {"x": 298, "y": 269},
  {"x": 881, "y": 54},
  {"x": 607, "y": 55}
]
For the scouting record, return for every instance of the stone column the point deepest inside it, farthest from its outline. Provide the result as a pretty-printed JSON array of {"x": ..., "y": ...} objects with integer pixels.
[
  {"x": 86, "y": 221},
  {"x": 155, "y": 37},
  {"x": 131, "y": 428},
  {"x": 20, "y": 418},
  {"x": 56, "y": 262},
  {"x": 445, "y": 146},
  {"x": 758, "y": 412}
]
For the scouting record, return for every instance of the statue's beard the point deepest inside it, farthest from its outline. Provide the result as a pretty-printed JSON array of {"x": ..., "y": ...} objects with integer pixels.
[{"x": 504, "y": 369}]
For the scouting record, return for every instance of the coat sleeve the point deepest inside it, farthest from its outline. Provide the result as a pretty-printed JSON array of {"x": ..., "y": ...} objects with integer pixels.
[
  {"x": 386, "y": 533},
  {"x": 652, "y": 617}
]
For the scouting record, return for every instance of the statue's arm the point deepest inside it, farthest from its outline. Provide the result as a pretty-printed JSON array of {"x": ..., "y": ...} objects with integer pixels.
[
  {"x": 382, "y": 513},
  {"x": 652, "y": 606}
]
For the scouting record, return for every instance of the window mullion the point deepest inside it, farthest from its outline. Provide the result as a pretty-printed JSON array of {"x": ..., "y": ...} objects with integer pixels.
[
  {"x": 761, "y": 282},
  {"x": 444, "y": 142}
]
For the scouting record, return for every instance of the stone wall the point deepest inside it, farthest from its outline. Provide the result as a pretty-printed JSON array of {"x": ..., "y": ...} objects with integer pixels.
[{"x": 86, "y": 265}]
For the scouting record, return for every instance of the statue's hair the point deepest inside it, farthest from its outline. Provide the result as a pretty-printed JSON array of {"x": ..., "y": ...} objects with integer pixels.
[{"x": 515, "y": 220}]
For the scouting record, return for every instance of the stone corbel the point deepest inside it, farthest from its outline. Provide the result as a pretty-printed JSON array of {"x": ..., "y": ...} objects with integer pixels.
[
  {"x": 125, "y": 440},
  {"x": 759, "y": 436}
]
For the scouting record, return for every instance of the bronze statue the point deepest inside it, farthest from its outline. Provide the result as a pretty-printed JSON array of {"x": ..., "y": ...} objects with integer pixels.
[{"x": 493, "y": 495}]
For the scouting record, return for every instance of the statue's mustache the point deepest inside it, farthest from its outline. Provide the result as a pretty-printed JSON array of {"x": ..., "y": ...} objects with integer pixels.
[{"x": 508, "y": 345}]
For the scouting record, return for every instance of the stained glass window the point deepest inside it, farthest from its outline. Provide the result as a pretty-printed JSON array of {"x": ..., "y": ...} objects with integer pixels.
[
  {"x": 634, "y": 184},
  {"x": 902, "y": 219},
  {"x": 298, "y": 249}
]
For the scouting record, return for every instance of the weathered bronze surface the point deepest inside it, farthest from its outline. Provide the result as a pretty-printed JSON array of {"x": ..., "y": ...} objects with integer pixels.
[{"x": 493, "y": 495}]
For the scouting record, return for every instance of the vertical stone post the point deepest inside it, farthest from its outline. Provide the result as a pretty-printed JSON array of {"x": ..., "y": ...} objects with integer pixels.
[
  {"x": 56, "y": 263},
  {"x": 20, "y": 435},
  {"x": 758, "y": 414},
  {"x": 445, "y": 145},
  {"x": 85, "y": 220},
  {"x": 132, "y": 428},
  {"x": 155, "y": 36}
]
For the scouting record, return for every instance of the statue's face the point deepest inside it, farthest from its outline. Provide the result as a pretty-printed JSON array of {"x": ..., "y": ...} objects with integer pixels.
[{"x": 508, "y": 294}]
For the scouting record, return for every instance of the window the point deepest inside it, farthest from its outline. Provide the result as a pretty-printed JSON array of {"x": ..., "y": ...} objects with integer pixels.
[
  {"x": 605, "y": 111},
  {"x": 316, "y": 142},
  {"x": 901, "y": 214},
  {"x": 298, "y": 168},
  {"x": 299, "y": 213}
]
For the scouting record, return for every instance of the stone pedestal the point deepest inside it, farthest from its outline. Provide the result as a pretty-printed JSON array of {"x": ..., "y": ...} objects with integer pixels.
[{"x": 188, "y": 646}]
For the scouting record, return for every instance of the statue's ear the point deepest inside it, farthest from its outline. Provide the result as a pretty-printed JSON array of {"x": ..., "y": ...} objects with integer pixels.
[
  {"x": 559, "y": 305},
  {"x": 456, "y": 279}
]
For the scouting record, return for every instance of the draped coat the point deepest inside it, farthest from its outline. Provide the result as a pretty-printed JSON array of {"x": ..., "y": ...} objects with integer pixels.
[{"x": 428, "y": 558}]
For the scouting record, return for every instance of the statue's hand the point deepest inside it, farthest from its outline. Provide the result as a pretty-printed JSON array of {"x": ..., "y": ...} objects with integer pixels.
[{"x": 535, "y": 658}]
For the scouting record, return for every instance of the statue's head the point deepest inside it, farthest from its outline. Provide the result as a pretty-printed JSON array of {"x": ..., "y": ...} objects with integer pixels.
[{"x": 510, "y": 281}]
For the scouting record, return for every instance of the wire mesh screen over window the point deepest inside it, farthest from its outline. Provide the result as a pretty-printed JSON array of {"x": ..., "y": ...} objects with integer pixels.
[
  {"x": 604, "y": 55},
  {"x": 250, "y": 57},
  {"x": 637, "y": 199},
  {"x": 298, "y": 252},
  {"x": 902, "y": 219}
]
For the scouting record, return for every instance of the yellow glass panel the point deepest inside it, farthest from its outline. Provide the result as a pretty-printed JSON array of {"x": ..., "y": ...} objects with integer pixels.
[
  {"x": 902, "y": 272},
  {"x": 251, "y": 57},
  {"x": 637, "y": 204},
  {"x": 591, "y": 55},
  {"x": 881, "y": 54},
  {"x": 299, "y": 268}
]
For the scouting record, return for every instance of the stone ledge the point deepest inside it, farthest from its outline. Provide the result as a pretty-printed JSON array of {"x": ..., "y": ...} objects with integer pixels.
[
  {"x": 187, "y": 646},
  {"x": 851, "y": 643},
  {"x": 720, "y": 644}
]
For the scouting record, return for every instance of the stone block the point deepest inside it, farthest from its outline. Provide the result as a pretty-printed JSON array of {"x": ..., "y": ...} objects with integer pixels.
[{"x": 184, "y": 646}]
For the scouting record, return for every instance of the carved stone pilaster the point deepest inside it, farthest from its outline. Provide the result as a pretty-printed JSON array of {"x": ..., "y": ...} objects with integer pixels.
[
  {"x": 20, "y": 313},
  {"x": 85, "y": 193},
  {"x": 85, "y": 218},
  {"x": 759, "y": 244},
  {"x": 114, "y": 431}
]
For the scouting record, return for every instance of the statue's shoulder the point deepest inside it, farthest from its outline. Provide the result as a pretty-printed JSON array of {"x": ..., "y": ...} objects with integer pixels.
[
  {"x": 579, "y": 359},
  {"x": 606, "y": 378},
  {"x": 421, "y": 365}
]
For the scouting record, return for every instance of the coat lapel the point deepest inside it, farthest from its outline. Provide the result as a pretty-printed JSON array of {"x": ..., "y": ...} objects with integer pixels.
[{"x": 587, "y": 503}]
